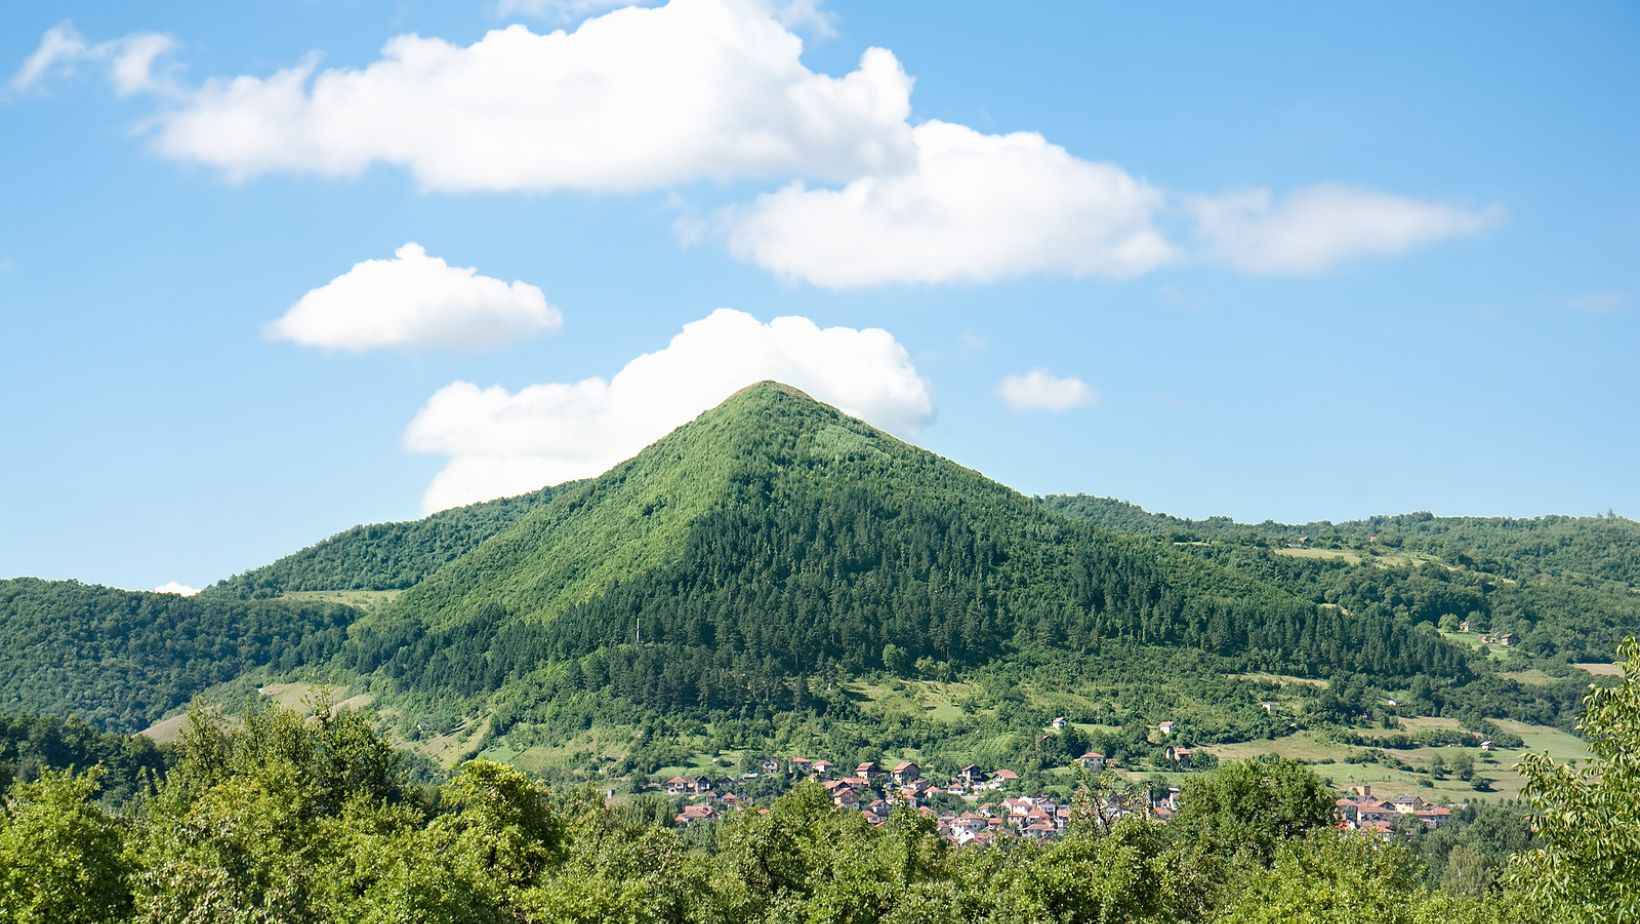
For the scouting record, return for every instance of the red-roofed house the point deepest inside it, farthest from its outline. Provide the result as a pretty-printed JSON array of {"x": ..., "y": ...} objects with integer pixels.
[
  {"x": 1093, "y": 760},
  {"x": 694, "y": 813}
]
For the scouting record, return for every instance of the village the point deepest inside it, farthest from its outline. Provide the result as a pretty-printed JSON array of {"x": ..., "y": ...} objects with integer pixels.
[{"x": 979, "y": 806}]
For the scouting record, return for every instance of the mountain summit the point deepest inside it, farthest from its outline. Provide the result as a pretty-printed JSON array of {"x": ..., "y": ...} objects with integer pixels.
[{"x": 775, "y": 538}]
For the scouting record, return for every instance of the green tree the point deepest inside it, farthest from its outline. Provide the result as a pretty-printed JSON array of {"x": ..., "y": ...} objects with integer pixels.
[
  {"x": 1464, "y": 767},
  {"x": 1334, "y": 877},
  {"x": 1251, "y": 807},
  {"x": 1466, "y": 872},
  {"x": 60, "y": 855},
  {"x": 1588, "y": 818}
]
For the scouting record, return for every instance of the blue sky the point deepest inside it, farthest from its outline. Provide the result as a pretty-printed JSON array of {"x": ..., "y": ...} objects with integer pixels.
[{"x": 1288, "y": 262}]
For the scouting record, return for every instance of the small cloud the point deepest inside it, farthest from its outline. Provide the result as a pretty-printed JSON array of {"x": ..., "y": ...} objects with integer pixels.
[
  {"x": 1039, "y": 390},
  {"x": 131, "y": 60},
  {"x": 7, "y": 264},
  {"x": 1607, "y": 301},
  {"x": 973, "y": 342},
  {"x": 416, "y": 300},
  {"x": 1318, "y": 227},
  {"x": 688, "y": 225},
  {"x": 173, "y": 587}
]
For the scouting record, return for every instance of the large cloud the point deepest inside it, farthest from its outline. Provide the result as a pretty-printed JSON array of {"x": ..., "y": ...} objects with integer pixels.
[
  {"x": 503, "y": 442},
  {"x": 658, "y": 97},
  {"x": 1317, "y": 227},
  {"x": 415, "y": 300},
  {"x": 637, "y": 98},
  {"x": 974, "y": 208},
  {"x": 1041, "y": 390}
]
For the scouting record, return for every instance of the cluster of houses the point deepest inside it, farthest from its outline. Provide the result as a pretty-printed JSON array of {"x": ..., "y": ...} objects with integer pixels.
[
  {"x": 1364, "y": 811},
  {"x": 1505, "y": 639},
  {"x": 873, "y": 790}
]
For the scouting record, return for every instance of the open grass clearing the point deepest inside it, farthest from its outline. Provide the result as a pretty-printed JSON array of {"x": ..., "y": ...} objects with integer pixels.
[
  {"x": 1562, "y": 746},
  {"x": 930, "y": 699},
  {"x": 589, "y": 751},
  {"x": 1420, "y": 723},
  {"x": 1344, "y": 555},
  {"x": 358, "y": 599},
  {"x": 1302, "y": 746},
  {"x": 1534, "y": 677},
  {"x": 1279, "y": 679}
]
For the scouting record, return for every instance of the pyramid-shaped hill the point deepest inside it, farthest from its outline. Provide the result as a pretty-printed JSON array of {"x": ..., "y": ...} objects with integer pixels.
[{"x": 775, "y": 537}]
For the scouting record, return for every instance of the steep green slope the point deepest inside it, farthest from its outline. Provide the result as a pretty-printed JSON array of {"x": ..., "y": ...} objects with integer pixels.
[
  {"x": 775, "y": 540},
  {"x": 1567, "y": 586},
  {"x": 384, "y": 556},
  {"x": 123, "y": 659}
]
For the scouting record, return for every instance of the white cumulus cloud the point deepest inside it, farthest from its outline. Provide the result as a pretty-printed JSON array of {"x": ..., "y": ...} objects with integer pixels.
[
  {"x": 647, "y": 97},
  {"x": 173, "y": 587},
  {"x": 638, "y": 98},
  {"x": 974, "y": 208},
  {"x": 504, "y": 442},
  {"x": 1041, "y": 390},
  {"x": 1315, "y": 228},
  {"x": 130, "y": 59},
  {"x": 416, "y": 300}
]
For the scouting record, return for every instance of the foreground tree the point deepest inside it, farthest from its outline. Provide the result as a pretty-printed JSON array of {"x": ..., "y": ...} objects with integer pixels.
[
  {"x": 1250, "y": 807},
  {"x": 60, "y": 857},
  {"x": 1588, "y": 869},
  {"x": 1344, "y": 877}
]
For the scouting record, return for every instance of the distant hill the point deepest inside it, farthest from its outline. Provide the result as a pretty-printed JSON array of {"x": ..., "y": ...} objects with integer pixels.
[
  {"x": 1602, "y": 548},
  {"x": 1567, "y": 586},
  {"x": 123, "y": 659},
  {"x": 383, "y": 556}
]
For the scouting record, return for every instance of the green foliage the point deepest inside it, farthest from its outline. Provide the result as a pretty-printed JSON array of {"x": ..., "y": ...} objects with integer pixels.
[
  {"x": 60, "y": 854},
  {"x": 384, "y": 556},
  {"x": 1333, "y": 877},
  {"x": 31, "y": 745},
  {"x": 1564, "y": 585},
  {"x": 123, "y": 659},
  {"x": 286, "y": 818},
  {"x": 1252, "y": 807},
  {"x": 1588, "y": 818}
]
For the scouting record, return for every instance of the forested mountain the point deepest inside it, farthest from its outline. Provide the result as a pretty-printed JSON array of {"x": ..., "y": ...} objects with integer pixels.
[
  {"x": 122, "y": 659},
  {"x": 775, "y": 541},
  {"x": 1602, "y": 548},
  {"x": 35, "y": 745},
  {"x": 766, "y": 560},
  {"x": 1566, "y": 586},
  {"x": 384, "y": 556}
]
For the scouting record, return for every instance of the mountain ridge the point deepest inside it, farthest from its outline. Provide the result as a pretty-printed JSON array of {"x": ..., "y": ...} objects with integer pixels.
[{"x": 774, "y": 536}]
